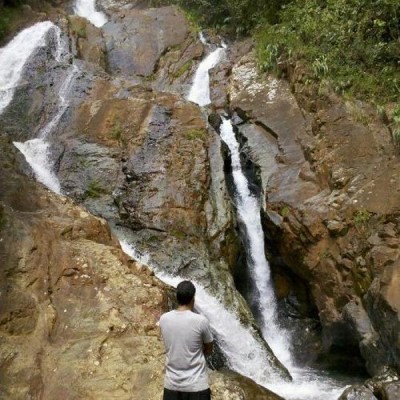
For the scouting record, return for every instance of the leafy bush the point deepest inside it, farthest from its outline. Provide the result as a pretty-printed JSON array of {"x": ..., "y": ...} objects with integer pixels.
[
  {"x": 233, "y": 16},
  {"x": 7, "y": 16},
  {"x": 194, "y": 134},
  {"x": 355, "y": 43}
]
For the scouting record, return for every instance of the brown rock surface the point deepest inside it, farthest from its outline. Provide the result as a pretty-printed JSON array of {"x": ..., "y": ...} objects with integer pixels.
[
  {"x": 135, "y": 39},
  {"x": 329, "y": 168},
  {"x": 77, "y": 316}
]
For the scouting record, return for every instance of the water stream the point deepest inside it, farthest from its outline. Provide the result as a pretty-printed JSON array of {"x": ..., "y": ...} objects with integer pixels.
[
  {"x": 244, "y": 354},
  {"x": 307, "y": 383},
  {"x": 37, "y": 150},
  {"x": 14, "y": 56},
  {"x": 87, "y": 9},
  {"x": 200, "y": 91}
]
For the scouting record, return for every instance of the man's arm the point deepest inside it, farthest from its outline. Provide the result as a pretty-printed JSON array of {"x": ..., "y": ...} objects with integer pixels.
[{"x": 208, "y": 348}]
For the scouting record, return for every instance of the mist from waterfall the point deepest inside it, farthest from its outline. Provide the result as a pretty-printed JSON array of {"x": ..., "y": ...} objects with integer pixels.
[{"x": 87, "y": 9}]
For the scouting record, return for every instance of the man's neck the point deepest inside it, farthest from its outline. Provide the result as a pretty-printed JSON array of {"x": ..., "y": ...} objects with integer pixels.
[{"x": 185, "y": 308}]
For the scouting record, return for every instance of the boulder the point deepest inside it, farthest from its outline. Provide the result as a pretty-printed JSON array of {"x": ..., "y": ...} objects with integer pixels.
[
  {"x": 357, "y": 392},
  {"x": 135, "y": 39}
]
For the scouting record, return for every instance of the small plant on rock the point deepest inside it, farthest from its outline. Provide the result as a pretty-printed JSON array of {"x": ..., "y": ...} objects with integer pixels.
[
  {"x": 395, "y": 125},
  {"x": 94, "y": 190},
  {"x": 361, "y": 218},
  {"x": 194, "y": 134}
]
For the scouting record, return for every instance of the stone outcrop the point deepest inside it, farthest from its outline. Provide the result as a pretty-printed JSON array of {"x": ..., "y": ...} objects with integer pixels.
[
  {"x": 325, "y": 167},
  {"x": 147, "y": 162},
  {"x": 78, "y": 318}
]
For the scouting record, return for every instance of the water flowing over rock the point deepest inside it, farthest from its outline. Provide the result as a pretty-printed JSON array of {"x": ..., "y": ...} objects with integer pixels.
[
  {"x": 323, "y": 201},
  {"x": 118, "y": 164},
  {"x": 14, "y": 57},
  {"x": 98, "y": 107}
]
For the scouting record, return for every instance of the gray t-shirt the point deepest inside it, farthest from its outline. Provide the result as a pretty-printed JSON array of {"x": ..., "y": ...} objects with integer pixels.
[{"x": 184, "y": 333}]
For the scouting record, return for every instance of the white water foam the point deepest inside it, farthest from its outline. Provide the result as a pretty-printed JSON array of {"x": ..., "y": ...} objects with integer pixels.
[
  {"x": 244, "y": 354},
  {"x": 14, "y": 56},
  {"x": 203, "y": 38},
  {"x": 37, "y": 151},
  {"x": 307, "y": 383},
  {"x": 87, "y": 9},
  {"x": 248, "y": 209},
  {"x": 200, "y": 90}
]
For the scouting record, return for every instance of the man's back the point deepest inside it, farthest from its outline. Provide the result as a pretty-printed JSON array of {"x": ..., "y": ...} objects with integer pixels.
[{"x": 184, "y": 334}]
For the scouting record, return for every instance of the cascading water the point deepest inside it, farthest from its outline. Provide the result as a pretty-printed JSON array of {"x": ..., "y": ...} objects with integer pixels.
[
  {"x": 37, "y": 151},
  {"x": 14, "y": 56},
  {"x": 248, "y": 210},
  {"x": 307, "y": 384},
  {"x": 243, "y": 353},
  {"x": 200, "y": 90},
  {"x": 87, "y": 9}
]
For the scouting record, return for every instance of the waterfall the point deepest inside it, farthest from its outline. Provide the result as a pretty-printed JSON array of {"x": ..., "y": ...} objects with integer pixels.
[
  {"x": 14, "y": 56},
  {"x": 87, "y": 9},
  {"x": 37, "y": 151},
  {"x": 248, "y": 210},
  {"x": 243, "y": 353},
  {"x": 307, "y": 383},
  {"x": 200, "y": 90}
]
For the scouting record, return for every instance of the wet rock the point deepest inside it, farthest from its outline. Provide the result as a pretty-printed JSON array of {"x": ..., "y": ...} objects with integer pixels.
[
  {"x": 391, "y": 391},
  {"x": 132, "y": 39},
  {"x": 371, "y": 347},
  {"x": 357, "y": 393},
  {"x": 215, "y": 120},
  {"x": 232, "y": 386},
  {"x": 382, "y": 303}
]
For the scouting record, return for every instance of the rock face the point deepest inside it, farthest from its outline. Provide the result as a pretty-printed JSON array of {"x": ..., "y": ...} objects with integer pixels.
[
  {"x": 157, "y": 30},
  {"x": 325, "y": 167},
  {"x": 146, "y": 161},
  {"x": 78, "y": 318}
]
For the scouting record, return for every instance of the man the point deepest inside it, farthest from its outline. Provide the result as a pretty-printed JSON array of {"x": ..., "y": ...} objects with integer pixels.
[{"x": 187, "y": 338}]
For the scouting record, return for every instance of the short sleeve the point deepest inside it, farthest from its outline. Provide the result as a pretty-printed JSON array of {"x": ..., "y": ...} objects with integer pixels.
[{"x": 206, "y": 331}]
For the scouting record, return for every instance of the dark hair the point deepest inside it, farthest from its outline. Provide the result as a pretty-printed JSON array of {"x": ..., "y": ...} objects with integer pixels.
[{"x": 185, "y": 292}]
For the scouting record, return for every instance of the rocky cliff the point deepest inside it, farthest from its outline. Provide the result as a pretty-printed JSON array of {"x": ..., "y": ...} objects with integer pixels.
[
  {"x": 131, "y": 150},
  {"x": 328, "y": 172}
]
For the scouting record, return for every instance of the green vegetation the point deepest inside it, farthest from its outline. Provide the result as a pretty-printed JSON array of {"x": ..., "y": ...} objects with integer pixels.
[
  {"x": 116, "y": 132},
  {"x": 194, "y": 134},
  {"x": 354, "y": 43},
  {"x": 78, "y": 26},
  {"x": 8, "y": 15},
  {"x": 361, "y": 217},
  {"x": 230, "y": 16},
  {"x": 395, "y": 125},
  {"x": 183, "y": 69},
  {"x": 94, "y": 190},
  {"x": 350, "y": 46},
  {"x": 178, "y": 234},
  {"x": 284, "y": 212}
]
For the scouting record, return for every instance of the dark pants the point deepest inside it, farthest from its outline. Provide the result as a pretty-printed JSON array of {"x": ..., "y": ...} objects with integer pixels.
[{"x": 173, "y": 395}]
